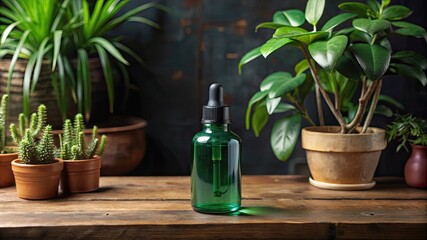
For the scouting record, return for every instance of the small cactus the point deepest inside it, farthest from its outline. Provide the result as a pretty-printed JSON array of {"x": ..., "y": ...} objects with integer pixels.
[
  {"x": 72, "y": 142},
  {"x": 32, "y": 151},
  {"x": 3, "y": 116},
  {"x": 34, "y": 126}
]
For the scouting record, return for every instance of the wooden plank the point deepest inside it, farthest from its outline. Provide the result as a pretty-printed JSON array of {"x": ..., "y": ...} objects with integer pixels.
[{"x": 274, "y": 207}]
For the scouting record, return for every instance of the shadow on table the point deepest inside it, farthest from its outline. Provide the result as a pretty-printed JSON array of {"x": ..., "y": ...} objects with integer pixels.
[{"x": 258, "y": 211}]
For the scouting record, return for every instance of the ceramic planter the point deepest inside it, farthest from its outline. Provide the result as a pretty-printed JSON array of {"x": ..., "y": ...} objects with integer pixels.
[
  {"x": 342, "y": 161},
  {"x": 6, "y": 174},
  {"x": 416, "y": 167},
  {"x": 37, "y": 181},
  {"x": 81, "y": 175}
]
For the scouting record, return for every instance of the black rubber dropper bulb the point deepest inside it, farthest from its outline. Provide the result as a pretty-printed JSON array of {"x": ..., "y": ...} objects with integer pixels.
[{"x": 216, "y": 111}]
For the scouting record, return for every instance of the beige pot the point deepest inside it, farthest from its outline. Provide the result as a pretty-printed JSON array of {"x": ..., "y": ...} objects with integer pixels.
[
  {"x": 335, "y": 158},
  {"x": 81, "y": 175},
  {"x": 6, "y": 174},
  {"x": 37, "y": 181}
]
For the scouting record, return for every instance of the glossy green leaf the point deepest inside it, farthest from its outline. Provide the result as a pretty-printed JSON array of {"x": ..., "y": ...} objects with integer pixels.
[
  {"x": 273, "y": 80},
  {"x": 284, "y": 136},
  {"x": 15, "y": 58},
  {"x": 327, "y": 53},
  {"x": 272, "y": 45},
  {"x": 287, "y": 86},
  {"x": 337, "y": 20},
  {"x": 37, "y": 69},
  {"x": 57, "y": 39},
  {"x": 272, "y": 104},
  {"x": 390, "y": 100},
  {"x": 410, "y": 58},
  {"x": 145, "y": 21},
  {"x": 283, "y": 107},
  {"x": 301, "y": 66},
  {"x": 26, "y": 85},
  {"x": 249, "y": 56},
  {"x": 84, "y": 85},
  {"x": 371, "y": 26},
  {"x": 258, "y": 96},
  {"x": 7, "y": 31},
  {"x": 269, "y": 25},
  {"x": 111, "y": 49},
  {"x": 259, "y": 119},
  {"x": 299, "y": 34},
  {"x": 291, "y": 17},
  {"x": 396, "y": 12},
  {"x": 373, "y": 59},
  {"x": 314, "y": 11},
  {"x": 384, "y": 42},
  {"x": 360, "y": 9},
  {"x": 409, "y": 29},
  {"x": 348, "y": 66},
  {"x": 108, "y": 75},
  {"x": 409, "y": 71},
  {"x": 359, "y": 36},
  {"x": 374, "y": 5}
]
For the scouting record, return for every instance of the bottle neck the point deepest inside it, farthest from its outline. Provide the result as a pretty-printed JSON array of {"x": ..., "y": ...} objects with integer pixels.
[{"x": 216, "y": 127}]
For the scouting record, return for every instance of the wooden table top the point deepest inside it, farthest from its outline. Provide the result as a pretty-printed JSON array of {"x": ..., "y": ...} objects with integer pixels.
[{"x": 273, "y": 207}]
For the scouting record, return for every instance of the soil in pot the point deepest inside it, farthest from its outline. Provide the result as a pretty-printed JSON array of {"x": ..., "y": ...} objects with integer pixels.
[
  {"x": 6, "y": 174},
  {"x": 37, "y": 181},
  {"x": 347, "y": 159},
  {"x": 81, "y": 175}
]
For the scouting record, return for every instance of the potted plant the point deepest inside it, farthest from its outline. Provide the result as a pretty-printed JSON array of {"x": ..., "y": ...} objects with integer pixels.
[
  {"x": 339, "y": 62},
  {"x": 411, "y": 130},
  {"x": 36, "y": 170},
  {"x": 82, "y": 160},
  {"x": 7, "y": 154},
  {"x": 30, "y": 44}
]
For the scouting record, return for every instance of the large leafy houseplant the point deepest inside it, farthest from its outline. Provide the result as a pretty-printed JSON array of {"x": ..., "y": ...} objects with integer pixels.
[
  {"x": 60, "y": 31},
  {"x": 92, "y": 38},
  {"x": 338, "y": 61},
  {"x": 33, "y": 31}
]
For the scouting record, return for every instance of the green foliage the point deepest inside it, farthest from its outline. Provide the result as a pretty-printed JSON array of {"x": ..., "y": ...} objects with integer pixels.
[
  {"x": 33, "y": 126},
  {"x": 34, "y": 151},
  {"x": 72, "y": 142},
  {"x": 3, "y": 117},
  {"x": 337, "y": 63},
  {"x": 57, "y": 31},
  {"x": 407, "y": 129}
]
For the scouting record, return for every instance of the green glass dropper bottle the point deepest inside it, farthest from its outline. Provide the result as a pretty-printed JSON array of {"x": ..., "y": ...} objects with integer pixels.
[{"x": 216, "y": 151}]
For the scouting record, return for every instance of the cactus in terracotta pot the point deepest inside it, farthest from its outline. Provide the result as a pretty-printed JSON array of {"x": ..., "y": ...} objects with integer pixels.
[
  {"x": 72, "y": 142},
  {"x": 36, "y": 170},
  {"x": 82, "y": 160}
]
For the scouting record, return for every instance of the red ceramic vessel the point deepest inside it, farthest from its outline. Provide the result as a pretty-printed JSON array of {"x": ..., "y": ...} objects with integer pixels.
[{"x": 416, "y": 167}]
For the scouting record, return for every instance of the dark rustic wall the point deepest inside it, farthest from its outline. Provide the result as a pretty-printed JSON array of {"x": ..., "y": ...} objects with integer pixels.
[{"x": 201, "y": 42}]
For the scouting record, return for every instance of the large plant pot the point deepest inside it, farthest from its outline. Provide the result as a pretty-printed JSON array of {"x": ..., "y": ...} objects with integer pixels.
[
  {"x": 81, "y": 175},
  {"x": 126, "y": 144},
  {"x": 342, "y": 161},
  {"x": 37, "y": 181},
  {"x": 43, "y": 94},
  {"x": 416, "y": 167},
  {"x": 6, "y": 174}
]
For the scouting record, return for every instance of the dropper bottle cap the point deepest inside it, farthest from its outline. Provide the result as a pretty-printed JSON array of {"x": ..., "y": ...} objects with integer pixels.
[{"x": 216, "y": 111}]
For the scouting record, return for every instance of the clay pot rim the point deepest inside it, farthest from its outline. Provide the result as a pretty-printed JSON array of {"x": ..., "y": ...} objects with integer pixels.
[
  {"x": 418, "y": 146},
  {"x": 8, "y": 154},
  {"x": 96, "y": 157},
  {"x": 132, "y": 123},
  {"x": 326, "y": 130},
  {"x": 17, "y": 162}
]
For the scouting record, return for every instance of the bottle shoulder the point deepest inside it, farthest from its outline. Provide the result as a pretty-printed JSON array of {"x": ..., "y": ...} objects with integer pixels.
[{"x": 225, "y": 136}]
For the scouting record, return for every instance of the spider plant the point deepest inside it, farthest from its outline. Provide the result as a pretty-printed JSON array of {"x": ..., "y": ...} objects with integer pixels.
[
  {"x": 32, "y": 30},
  {"x": 92, "y": 38}
]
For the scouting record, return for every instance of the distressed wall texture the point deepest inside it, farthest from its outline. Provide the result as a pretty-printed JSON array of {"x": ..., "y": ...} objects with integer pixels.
[{"x": 201, "y": 42}]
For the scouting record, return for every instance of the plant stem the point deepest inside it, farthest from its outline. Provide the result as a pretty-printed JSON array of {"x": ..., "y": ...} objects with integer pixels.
[
  {"x": 302, "y": 109},
  {"x": 363, "y": 101},
  {"x": 337, "y": 114},
  {"x": 373, "y": 106}
]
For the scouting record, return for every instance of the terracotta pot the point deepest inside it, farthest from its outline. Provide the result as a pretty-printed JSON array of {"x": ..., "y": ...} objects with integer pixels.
[
  {"x": 81, "y": 175},
  {"x": 335, "y": 158},
  {"x": 6, "y": 174},
  {"x": 126, "y": 144},
  {"x": 37, "y": 181},
  {"x": 416, "y": 167}
]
